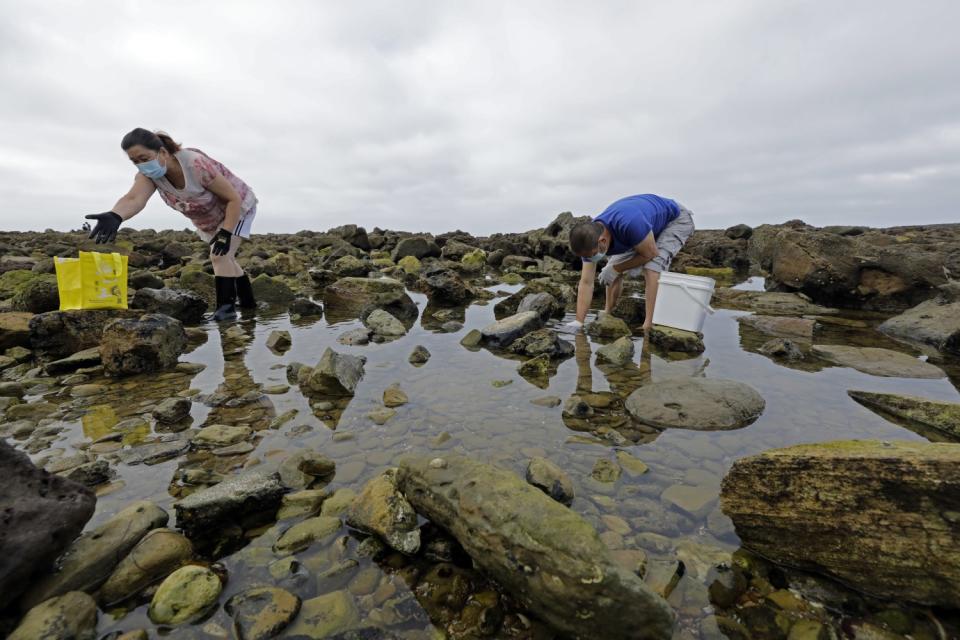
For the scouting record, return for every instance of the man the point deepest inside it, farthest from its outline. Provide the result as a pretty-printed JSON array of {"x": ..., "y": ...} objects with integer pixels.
[{"x": 637, "y": 234}]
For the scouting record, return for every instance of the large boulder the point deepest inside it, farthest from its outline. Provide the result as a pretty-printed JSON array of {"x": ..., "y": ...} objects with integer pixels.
[
  {"x": 702, "y": 404},
  {"x": 445, "y": 287},
  {"x": 351, "y": 233},
  {"x": 37, "y": 295},
  {"x": 92, "y": 557},
  {"x": 935, "y": 419},
  {"x": 382, "y": 510},
  {"x": 383, "y": 324},
  {"x": 272, "y": 290},
  {"x": 545, "y": 555},
  {"x": 336, "y": 374},
  {"x": 58, "y": 334},
  {"x": 540, "y": 342},
  {"x": 42, "y": 514},
  {"x": 152, "y": 342},
  {"x": 934, "y": 322},
  {"x": 348, "y": 297},
  {"x": 14, "y": 329},
  {"x": 502, "y": 333},
  {"x": 877, "y": 516},
  {"x": 419, "y": 247},
  {"x": 186, "y": 306},
  {"x": 713, "y": 248},
  {"x": 771, "y": 303},
  {"x": 562, "y": 293},
  {"x": 235, "y": 498}
]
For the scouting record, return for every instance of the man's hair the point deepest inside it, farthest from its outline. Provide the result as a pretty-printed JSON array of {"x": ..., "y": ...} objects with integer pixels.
[{"x": 585, "y": 236}]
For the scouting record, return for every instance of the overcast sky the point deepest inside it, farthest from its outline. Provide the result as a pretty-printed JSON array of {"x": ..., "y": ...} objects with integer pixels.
[{"x": 490, "y": 116}]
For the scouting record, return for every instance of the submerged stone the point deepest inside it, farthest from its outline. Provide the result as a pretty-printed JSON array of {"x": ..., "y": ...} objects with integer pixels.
[
  {"x": 942, "y": 417},
  {"x": 336, "y": 374},
  {"x": 704, "y": 404},
  {"x": 619, "y": 352},
  {"x": 72, "y": 616},
  {"x": 878, "y": 362},
  {"x": 551, "y": 479},
  {"x": 261, "y": 613},
  {"x": 185, "y": 595},
  {"x": 382, "y": 510}
]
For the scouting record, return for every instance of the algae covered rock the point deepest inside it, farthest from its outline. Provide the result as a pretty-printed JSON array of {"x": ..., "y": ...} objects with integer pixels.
[
  {"x": 152, "y": 342},
  {"x": 158, "y": 554},
  {"x": 551, "y": 479},
  {"x": 72, "y": 616},
  {"x": 933, "y": 322},
  {"x": 608, "y": 326},
  {"x": 184, "y": 305},
  {"x": 544, "y": 554},
  {"x": 261, "y": 613},
  {"x": 619, "y": 352},
  {"x": 384, "y": 324},
  {"x": 186, "y": 595},
  {"x": 922, "y": 414},
  {"x": 878, "y": 516},
  {"x": 704, "y": 404},
  {"x": 382, "y": 510},
  {"x": 678, "y": 340}
]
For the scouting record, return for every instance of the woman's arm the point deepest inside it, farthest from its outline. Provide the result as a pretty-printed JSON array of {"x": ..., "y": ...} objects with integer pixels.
[
  {"x": 221, "y": 188},
  {"x": 135, "y": 200}
]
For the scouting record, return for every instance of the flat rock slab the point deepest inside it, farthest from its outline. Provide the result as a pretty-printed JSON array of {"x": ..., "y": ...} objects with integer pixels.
[
  {"x": 933, "y": 322},
  {"x": 205, "y": 511},
  {"x": 770, "y": 303},
  {"x": 878, "y": 362},
  {"x": 703, "y": 404},
  {"x": 546, "y": 555},
  {"x": 878, "y": 516},
  {"x": 781, "y": 326},
  {"x": 920, "y": 414}
]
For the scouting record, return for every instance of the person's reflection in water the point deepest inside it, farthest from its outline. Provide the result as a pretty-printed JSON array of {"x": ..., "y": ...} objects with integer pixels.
[{"x": 238, "y": 400}]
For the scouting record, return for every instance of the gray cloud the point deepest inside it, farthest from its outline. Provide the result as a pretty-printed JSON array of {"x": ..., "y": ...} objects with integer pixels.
[{"x": 490, "y": 116}]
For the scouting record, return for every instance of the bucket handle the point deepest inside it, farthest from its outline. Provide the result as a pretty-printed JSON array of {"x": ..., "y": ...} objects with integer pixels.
[{"x": 705, "y": 306}]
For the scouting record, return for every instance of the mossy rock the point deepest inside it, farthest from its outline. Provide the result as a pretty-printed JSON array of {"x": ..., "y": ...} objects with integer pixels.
[
  {"x": 13, "y": 280},
  {"x": 37, "y": 295},
  {"x": 410, "y": 264}
]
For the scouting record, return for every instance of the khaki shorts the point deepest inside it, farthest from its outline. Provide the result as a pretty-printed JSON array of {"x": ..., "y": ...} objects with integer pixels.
[{"x": 669, "y": 242}]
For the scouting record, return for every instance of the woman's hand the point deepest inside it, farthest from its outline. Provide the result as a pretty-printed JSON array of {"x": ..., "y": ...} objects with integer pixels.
[
  {"x": 220, "y": 244},
  {"x": 107, "y": 224}
]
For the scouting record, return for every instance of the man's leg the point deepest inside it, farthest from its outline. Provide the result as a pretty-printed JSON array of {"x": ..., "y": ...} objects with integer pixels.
[
  {"x": 652, "y": 281},
  {"x": 669, "y": 243},
  {"x": 613, "y": 294}
]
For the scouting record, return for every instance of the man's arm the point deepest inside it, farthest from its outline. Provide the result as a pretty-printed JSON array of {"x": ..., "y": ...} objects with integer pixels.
[
  {"x": 644, "y": 253},
  {"x": 585, "y": 290}
]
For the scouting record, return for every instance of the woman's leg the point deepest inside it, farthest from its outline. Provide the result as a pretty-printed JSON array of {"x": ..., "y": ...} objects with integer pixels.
[{"x": 226, "y": 265}]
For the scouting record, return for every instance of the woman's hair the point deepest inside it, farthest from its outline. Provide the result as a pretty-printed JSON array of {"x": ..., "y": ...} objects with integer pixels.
[{"x": 149, "y": 139}]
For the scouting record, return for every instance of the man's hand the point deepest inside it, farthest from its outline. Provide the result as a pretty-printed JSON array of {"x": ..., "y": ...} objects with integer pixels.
[
  {"x": 609, "y": 275},
  {"x": 220, "y": 244},
  {"x": 107, "y": 224}
]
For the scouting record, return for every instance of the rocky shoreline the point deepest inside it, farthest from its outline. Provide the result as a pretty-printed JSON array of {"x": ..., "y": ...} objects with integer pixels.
[{"x": 480, "y": 549}]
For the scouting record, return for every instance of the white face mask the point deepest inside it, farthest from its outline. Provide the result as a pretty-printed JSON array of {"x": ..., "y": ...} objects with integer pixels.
[{"x": 600, "y": 255}]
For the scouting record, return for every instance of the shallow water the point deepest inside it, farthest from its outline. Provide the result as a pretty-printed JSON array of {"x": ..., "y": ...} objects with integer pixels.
[{"x": 453, "y": 394}]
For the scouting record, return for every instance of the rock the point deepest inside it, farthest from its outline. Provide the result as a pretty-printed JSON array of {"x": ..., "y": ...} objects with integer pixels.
[
  {"x": 146, "y": 280},
  {"x": 502, "y": 333},
  {"x": 475, "y": 260},
  {"x": 71, "y": 616},
  {"x": 382, "y": 510},
  {"x": 694, "y": 500},
  {"x": 186, "y": 306},
  {"x": 606, "y": 471},
  {"x": 199, "y": 282},
  {"x": 233, "y": 499},
  {"x": 417, "y": 246},
  {"x": 543, "y": 303},
  {"x": 541, "y": 552},
  {"x": 158, "y": 554},
  {"x": 349, "y": 296},
  {"x": 11, "y": 390},
  {"x": 535, "y": 368},
  {"x": 261, "y": 613},
  {"x": 92, "y": 557},
  {"x": 878, "y": 362},
  {"x": 339, "y": 502},
  {"x": 272, "y": 290},
  {"x": 356, "y": 236},
  {"x": 304, "y": 533},
  {"x": 608, "y": 326},
  {"x": 933, "y": 322},
  {"x": 185, "y": 596},
  {"x": 738, "y": 231},
  {"x": 355, "y": 337},
  {"x": 305, "y": 307},
  {"x": 384, "y": 324},
  {"x": 943, "y": 418},
  {"x": 91, "y": 474},
  {"x": 877, "y": 516},
  {"x": 678, "y": 340},
  {"x": 38, "y": 295},
  {"x": 781, "y": 348},
  {"x": 703, "y": 404},
  {"x": 151, "y": 343},
  {"x": 14, "y": 329},
  {"x": 303, "y": 468},
  {"x": 79, "y": 360},
  {"x": 37, "y": 507},
  {"x": 326, "y": 616},
  {"x": 619, "y": 352},
  {"x": 562, "y": 293},
  {"x": 451, "y": 326},
  {"x": 279, "y": 341},
  {"x": 781, "y": 326},
  {"x": 542, "y": 342},
  {"x": 382, "y": 415},
  {"x": 419, "y": 356},
  {"x": 445, "y": 287},
  {"x": 173, "y": 252},
  {"x": 302, "y": 503},
  {"x": 768, "y": 303},
  {"x": 351, "y": 266},
  {"x": 410, "y": 265},
  {"x": 171, "y": 410},
  {"x": 220, "y": 435},
  {"x": 335, "y": 375},
  {"x": 472, "y": 340},
  {"x": 631, "y": 465},
  {"x": 394, "y": 396},
  {"x": 455, "y": 250},
  {"x": 550, "y": 479},
  {"x": 58, "y": 334},
  {"x": 547, "y": 401}
]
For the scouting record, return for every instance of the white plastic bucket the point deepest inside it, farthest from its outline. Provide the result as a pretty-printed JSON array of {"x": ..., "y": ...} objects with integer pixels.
[{"x": 683, "y": 301}]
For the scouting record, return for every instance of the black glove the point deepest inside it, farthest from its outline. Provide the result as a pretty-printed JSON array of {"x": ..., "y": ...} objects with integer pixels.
[
  {"x": 220, "y": 244},
  {"x": 107, "y": 225}
]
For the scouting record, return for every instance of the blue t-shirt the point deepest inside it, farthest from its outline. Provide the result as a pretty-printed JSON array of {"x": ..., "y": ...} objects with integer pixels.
[{"x": 630, "y": 219}]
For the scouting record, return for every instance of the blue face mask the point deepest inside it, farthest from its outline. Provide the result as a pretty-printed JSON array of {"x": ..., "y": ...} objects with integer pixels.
[
  {"x": 597, "y": 257},
  {"x": 152, "y": 168}
]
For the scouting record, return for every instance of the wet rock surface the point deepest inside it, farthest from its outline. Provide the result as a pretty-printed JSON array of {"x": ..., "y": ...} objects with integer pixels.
[
  {"x": 382, "y": 510},
  {"x": 878, "y": 362},
  {"x": 186, "y": 306},
  {"x": 866, "y": 513},
  {"x": 474, "y": 502},
  {"x": 150, "y": 343},
  {"x": 696, "y": 403},
  {"x": 71, "y": 616},
  {"x": 936, "y": 420}
]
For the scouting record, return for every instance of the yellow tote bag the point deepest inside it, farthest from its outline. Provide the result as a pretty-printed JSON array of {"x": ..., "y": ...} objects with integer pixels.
[{"x": 92, "y": 281}]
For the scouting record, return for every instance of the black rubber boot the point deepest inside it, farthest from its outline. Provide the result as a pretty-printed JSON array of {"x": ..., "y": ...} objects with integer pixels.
[
  {"x": 245, "y": 293},
  {"x": 226, "y": 299}
]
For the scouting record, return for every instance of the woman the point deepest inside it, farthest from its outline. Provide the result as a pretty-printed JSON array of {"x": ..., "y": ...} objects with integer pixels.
[{"x": 220, "y": 205}]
